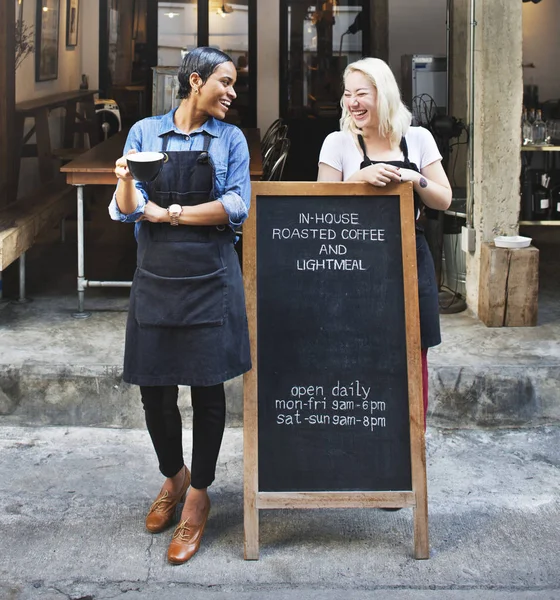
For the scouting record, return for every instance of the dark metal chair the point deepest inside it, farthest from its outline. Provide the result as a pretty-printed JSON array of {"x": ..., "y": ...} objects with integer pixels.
[
  {"x": 271, "y": 135},
  {"x": 275, "y": 160}
]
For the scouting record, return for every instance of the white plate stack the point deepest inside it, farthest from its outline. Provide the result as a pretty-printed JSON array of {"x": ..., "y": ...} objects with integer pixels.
[{"x": 512, "y": 241}]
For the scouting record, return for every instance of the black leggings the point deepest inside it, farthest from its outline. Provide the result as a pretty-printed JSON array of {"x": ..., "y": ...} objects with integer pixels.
[{"x": 163, "y": 419}]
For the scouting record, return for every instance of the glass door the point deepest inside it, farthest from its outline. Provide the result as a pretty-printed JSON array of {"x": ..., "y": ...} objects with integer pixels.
[
  {"x": 228, "y": 30},
  {"x": 319, "y": 40},
  {"x": 142, "y": 43}
]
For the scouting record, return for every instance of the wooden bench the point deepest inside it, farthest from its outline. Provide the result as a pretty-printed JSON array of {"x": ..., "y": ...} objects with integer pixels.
[{"x": 22, "y": 222}]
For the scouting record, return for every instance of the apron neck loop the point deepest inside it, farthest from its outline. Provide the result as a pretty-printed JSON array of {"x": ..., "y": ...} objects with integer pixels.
[
  {"x": 207, "y": 140},
  {"x": 366, "y": 162}
]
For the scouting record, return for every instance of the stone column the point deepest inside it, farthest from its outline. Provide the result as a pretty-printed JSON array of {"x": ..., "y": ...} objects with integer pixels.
[{"x": 498, "y": 96}]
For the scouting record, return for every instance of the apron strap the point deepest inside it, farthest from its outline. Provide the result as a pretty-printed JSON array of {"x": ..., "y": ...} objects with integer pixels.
[
  {"x": 366, "y": 162},
  {"x": 363, "y": 147},
  {"x": 204, "y": 156},
  {"x": 404, "y": 149},
  {"x": 164, "y": 143}
]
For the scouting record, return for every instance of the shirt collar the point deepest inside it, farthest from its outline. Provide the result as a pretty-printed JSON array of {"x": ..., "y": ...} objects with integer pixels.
[{"x": 212, "y": 126}]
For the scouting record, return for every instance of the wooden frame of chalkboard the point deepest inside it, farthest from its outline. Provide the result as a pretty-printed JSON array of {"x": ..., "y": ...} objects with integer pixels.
[{"x": 333, "y": 412}]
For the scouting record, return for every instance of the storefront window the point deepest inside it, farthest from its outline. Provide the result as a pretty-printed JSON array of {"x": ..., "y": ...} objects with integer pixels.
[{"x": 177, "y": 31}]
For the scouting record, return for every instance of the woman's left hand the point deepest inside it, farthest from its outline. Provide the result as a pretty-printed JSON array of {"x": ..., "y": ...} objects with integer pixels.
[{"x": 154, "y": 213}]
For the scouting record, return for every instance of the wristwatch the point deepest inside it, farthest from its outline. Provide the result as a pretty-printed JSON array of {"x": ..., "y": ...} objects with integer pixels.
[{"x": 174, "y": 211}]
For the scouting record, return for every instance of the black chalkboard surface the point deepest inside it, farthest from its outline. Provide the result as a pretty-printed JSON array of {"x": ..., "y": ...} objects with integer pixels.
[
  {"x": 332, "y": 385},
  {"x": 333, "y": 414}
]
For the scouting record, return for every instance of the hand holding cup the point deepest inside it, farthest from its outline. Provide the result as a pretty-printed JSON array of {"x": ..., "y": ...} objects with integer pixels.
[{"x": 121, "y": 167}]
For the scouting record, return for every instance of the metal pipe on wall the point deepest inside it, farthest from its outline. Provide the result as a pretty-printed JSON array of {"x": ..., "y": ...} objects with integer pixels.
[
  {"x": 470, "y": 163},
  {"x": 448, "y": 55}
]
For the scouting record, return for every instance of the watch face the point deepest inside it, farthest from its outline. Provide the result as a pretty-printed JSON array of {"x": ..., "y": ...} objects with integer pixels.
[{"x": 175, "y": 209}]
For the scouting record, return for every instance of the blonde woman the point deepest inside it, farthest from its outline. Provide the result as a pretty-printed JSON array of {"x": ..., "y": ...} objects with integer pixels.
[{"x": 377, "y": 145}]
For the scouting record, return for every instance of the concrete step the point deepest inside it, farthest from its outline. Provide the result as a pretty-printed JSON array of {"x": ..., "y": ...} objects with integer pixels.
[{"x": 57, "y": 370}]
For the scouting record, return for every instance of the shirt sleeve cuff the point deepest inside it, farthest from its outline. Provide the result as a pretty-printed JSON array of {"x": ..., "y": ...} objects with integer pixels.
[
  {"x": 236, "y": 209},
  {"x": 117, "y": 215}
]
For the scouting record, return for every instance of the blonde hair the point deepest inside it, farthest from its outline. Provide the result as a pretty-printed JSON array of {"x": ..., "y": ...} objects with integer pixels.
[{"x": 394, "y": 117}]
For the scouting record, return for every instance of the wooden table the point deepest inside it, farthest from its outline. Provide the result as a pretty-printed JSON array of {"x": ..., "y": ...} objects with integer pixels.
[
  {"x": 97, "y": 167},
  {"x": 39, "y": 109}
]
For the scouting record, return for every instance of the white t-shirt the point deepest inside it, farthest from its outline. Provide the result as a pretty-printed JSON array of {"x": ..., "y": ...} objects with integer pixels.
[{"x": 340, "y": 151}]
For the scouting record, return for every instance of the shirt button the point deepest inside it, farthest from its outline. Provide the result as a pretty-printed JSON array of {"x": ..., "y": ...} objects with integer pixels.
[{"x": 187, "y": 138}]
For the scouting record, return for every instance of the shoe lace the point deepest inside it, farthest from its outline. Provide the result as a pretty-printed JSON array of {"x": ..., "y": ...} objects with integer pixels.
[
  {"x": 161, "y": 504},
  {"x": 183, "y": 531}
]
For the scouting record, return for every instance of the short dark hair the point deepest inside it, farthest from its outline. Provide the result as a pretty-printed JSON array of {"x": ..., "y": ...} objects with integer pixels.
[{"x": 202, "y": 60}]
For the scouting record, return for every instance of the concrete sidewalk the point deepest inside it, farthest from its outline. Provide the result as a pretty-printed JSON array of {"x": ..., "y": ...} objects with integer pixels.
[{"x": 73, "y": 501}]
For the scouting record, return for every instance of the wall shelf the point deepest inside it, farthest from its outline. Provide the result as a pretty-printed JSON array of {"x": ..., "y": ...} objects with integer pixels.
[
  {"x": 540, "y": 148},
  {"x": 539, "y": 223}
]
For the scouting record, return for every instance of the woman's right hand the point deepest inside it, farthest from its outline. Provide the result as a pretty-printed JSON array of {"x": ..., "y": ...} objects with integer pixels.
[
  {"x": 380, "y": 174},
  {"x": 121, "y": 167}
]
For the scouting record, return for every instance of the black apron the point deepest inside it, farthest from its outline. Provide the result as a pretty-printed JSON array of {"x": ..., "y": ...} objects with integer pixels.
[
  {"x": 187, "y": 323},
  {"x": 427, "y": 287}
]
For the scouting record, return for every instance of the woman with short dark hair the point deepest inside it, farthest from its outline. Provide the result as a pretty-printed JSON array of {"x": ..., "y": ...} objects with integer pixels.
[{"x": 187, "y": 323}]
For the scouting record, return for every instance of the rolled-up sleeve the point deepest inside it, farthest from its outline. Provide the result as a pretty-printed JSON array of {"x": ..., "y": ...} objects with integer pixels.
[
  {"x": 133, "y": 142},
  {"x": 236, "y": 199}
]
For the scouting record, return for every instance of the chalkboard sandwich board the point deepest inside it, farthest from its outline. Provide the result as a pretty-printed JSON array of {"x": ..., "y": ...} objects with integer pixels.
[{"x": 333, "y": 413}]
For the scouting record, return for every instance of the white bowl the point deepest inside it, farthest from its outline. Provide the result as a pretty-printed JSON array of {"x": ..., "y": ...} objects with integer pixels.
[{"x": 512, "y": 241}]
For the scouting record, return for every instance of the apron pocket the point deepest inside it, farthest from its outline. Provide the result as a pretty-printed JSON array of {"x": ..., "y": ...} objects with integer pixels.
[{"x": 180, "y": 301}]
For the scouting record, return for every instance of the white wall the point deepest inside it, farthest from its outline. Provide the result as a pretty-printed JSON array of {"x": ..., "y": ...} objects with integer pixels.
[
  {"x": 88, "y": 41},
  {"x": 415, "y": 27},
  {"x": 70, "y": 68},
  {"x": 541, "y": 46},
  {"x": 69, "y": 60},
  {"x": 268, "y": 68}
]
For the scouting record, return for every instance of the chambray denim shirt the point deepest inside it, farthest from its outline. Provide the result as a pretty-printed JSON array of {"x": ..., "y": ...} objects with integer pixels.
[{"x": 229, "y": 152}]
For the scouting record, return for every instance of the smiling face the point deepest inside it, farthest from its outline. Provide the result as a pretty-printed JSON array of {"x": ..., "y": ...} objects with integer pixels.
[
  {"x": 360, "y": 99},
  {"x": 216, "y": 95}
]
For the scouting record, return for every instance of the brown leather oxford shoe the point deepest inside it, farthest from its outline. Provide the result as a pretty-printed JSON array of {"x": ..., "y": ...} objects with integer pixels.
[
  {"x": 162, "y": 511},
  {"x": 186, "y": 540}
]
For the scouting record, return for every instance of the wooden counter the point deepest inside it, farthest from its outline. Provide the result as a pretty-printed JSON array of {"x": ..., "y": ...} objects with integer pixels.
[{"x": 96, "y": 166}]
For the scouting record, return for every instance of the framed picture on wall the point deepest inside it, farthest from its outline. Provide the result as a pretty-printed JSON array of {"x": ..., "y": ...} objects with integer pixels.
[
  {"x": 72, "y": 7},
  {"x": 46, "y": 40}
]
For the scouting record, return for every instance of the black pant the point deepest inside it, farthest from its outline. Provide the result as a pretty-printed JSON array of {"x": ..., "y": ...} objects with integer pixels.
[{"x": 163, "y": 419}]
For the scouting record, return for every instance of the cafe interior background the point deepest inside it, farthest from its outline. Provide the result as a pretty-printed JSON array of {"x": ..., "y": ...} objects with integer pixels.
[{"x": 290, "y": 54}]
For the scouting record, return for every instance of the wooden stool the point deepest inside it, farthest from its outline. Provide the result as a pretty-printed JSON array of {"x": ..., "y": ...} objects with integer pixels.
[{"x": 509, "y": 286}]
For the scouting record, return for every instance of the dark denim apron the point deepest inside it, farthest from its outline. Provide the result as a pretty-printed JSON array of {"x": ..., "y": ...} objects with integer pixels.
[
  {"x": 427, "y": 288},
  {"x": 187, "y": 323}
]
